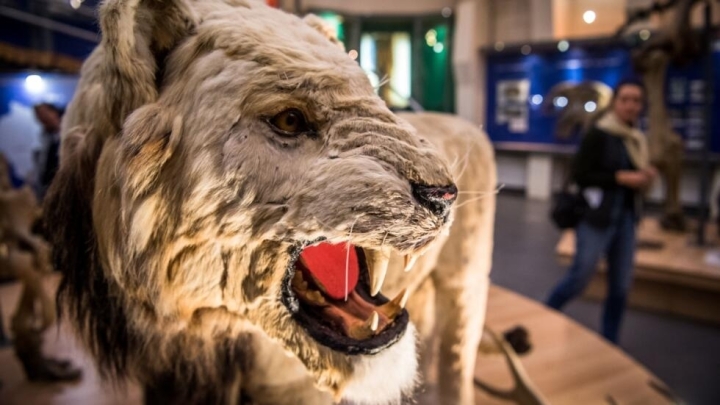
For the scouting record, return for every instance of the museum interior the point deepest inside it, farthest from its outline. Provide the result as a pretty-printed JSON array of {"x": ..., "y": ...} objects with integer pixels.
[{"x": 215, "y": 202}]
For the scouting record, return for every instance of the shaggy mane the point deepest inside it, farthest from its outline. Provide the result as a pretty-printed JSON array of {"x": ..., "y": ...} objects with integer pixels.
[{"x": 84, "y": 292}]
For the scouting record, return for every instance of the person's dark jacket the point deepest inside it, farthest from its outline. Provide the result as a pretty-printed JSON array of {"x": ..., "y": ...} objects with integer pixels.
[
  {"x": 51, "y": 165},
  {"x": 600, "y": 157}
]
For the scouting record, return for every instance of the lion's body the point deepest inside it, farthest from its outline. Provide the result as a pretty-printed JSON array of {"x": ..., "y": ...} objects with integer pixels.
[
  {"x": 449, "y": 311},
  {"x": 180, "y": 207}
]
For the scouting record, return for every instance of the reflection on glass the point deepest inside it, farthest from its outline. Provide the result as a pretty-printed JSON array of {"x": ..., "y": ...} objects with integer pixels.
[{"x": 386, "y": 58}]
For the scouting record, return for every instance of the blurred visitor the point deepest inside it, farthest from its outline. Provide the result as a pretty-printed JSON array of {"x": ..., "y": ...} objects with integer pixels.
[
  {"x": 47, "y": 156},
  {"x": 612, "y": 169}
]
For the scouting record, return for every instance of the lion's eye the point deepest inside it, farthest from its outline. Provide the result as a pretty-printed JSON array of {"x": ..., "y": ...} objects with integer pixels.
[{"x": 290, "y": 122}]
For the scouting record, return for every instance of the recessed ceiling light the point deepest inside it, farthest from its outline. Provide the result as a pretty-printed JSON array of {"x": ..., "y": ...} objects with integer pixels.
[{"x": 589, "y": 17}]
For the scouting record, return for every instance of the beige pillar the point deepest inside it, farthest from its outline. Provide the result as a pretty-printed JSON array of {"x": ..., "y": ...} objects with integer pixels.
[
  {"x": 541, "y": 20},
  {"x": 511, "y": 21},
  {"x": 465, "y": 61}
]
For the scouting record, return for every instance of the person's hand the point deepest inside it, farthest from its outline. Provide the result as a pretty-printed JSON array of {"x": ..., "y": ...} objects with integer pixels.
[
  {"x": 652, "y": 172},
  {"x": 633, "y": 179}
]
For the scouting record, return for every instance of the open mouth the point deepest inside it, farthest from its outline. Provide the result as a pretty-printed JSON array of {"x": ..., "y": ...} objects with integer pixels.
[{"x": 333, "y": 292}]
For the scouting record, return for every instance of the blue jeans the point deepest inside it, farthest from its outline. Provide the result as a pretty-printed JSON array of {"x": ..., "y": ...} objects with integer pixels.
[{"x": 618, "y": 243}]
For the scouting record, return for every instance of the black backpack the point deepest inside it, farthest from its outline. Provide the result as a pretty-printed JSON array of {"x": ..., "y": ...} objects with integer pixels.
[{"x": 569, "y": 205}]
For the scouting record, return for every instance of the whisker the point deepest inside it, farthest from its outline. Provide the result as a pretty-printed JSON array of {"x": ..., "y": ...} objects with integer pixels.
[
  {"x": 456, "y": 160},
  {"x": 384, "y": 238},
  {"x": 385, "y": 80},
  {"x": 328, "y": 227},
  {"x": 466, "y": 159},
  {"x": 470, "y": 201},
  {"x": 484, "y": 195},
  {"x": 347, "y": 257},
  {"x": 498, "y": 188}
]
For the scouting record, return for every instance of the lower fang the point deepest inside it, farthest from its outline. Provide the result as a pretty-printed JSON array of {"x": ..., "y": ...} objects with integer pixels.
[
  {"x": 393, "y": 308},
  {"x": 374, "y": 321},
  {"x": 402, "y": 298},
  {"x": 316, "y": 298},
  {"x": 365, "y": 330}
]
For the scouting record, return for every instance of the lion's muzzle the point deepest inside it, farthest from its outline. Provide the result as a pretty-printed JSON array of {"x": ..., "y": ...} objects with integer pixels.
[{"x": 438, "y": 200}]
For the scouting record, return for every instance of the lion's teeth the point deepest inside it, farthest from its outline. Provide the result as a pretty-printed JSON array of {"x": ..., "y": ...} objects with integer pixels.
[
  {"x": 299, "y": 282},
  {"x": 316, "y": 297},
  {"x": 367, "y": 329},
  {"x": 402, "y": 298},
  {"x": 410, "y": 262},
  {"x": 394, "y": 308},
  {"x": 374, "y": 321},
  {"x": 377, "y": 263}
]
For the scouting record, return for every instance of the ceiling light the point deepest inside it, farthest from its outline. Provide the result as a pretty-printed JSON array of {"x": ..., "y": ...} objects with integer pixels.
[
  {"x": 589, "y": 17},
  {"x": 34, "y": 84}
]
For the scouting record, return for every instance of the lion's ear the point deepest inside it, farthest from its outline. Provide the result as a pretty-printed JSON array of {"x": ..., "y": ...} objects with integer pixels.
[
  {"x": 324, "y": 28},
  {"x": 137, "y": 36}
]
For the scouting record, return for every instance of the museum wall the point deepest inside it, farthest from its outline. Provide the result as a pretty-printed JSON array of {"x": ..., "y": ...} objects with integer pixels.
[
  {"x": 569, "y": 23},
  {"x": 515, "y": 21}
]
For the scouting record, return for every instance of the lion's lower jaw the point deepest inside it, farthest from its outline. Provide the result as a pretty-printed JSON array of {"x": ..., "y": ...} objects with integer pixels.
[{"x": 387, "y": 377}]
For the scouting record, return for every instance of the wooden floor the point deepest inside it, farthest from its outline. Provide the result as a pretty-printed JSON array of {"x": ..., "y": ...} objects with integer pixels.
[
  {"x": 677, "y": 279},
  {"x": 569, "y": 364}
]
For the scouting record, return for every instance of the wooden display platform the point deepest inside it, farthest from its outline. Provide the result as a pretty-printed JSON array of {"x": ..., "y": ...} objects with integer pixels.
[
  {"x": 676, "y": 279},
  {"x": 568, "y": 363}
]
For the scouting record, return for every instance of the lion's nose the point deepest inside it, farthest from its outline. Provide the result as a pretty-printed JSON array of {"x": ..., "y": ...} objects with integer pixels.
[{"x": 437, "y": 199}]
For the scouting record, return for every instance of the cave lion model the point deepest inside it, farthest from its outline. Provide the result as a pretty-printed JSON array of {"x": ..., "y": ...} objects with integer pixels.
[{"x": 232, "y": 195}]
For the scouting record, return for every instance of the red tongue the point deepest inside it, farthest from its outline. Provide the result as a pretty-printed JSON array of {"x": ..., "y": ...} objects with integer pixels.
[{"x": 327, "y": 263}]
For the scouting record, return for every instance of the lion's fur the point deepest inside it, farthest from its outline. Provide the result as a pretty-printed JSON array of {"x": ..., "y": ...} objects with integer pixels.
[{"x": 176, "y": 209}]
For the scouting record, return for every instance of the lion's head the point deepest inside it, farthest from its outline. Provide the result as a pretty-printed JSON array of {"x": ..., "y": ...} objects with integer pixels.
[{"x": 228, "y": 171}]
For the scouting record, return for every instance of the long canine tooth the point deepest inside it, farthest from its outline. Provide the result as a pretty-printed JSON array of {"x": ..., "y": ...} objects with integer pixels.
[
  {"x": 393, "y": 308},
  {"x": 377, "y": 263},
  {"x": 410, "y": 261},
  {"x": 374, "y": 321},
  {"x": 402, "y": 298}
]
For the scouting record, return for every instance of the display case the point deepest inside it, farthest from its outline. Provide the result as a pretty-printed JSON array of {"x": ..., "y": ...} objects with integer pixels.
[{"x": 545, "y": 94}]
